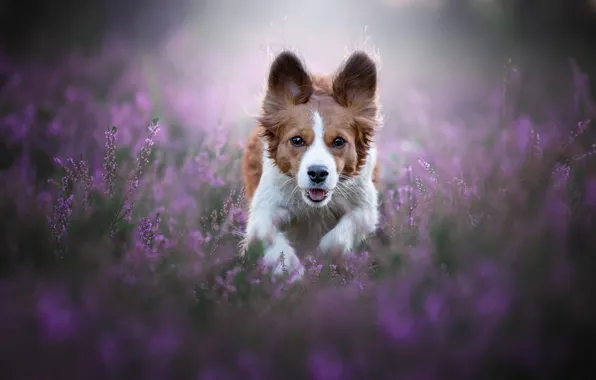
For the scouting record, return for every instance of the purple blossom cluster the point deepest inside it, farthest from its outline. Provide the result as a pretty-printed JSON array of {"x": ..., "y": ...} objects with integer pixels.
[{"x": 480, "y": 268}]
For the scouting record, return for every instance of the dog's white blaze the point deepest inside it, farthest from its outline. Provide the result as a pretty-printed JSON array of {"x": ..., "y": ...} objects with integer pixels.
[
  {"x": 317, "y": 154},
  {"x": 318, "y": 126}
]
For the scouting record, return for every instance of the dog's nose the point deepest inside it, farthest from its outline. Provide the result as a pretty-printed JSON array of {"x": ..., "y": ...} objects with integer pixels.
[{"x": 317, "y": 173}]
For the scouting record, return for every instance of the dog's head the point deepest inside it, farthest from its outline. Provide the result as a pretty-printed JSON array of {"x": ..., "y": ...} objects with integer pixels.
[{"x": 318, "y": 129}]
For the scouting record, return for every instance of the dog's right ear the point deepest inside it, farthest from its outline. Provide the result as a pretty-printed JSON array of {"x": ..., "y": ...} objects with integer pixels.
[
  {"x": 288, "y": 84},
  {"x": 355, "y": 84}
]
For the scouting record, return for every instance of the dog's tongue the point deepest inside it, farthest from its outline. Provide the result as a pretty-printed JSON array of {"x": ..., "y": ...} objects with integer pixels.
[{"x": 316, "y": 194}]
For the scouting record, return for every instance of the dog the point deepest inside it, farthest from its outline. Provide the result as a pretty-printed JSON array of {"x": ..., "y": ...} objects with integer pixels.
[{"x": 310, "y": 166}]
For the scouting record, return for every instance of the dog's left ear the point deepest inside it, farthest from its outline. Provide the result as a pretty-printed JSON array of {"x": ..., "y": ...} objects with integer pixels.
[
  {"x": 289, "y": 83},
  {"x": 355, "y": 87},
  {"x": 355, "y": 83}
]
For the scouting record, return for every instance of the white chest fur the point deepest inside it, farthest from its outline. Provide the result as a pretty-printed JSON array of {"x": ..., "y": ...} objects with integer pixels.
[{"x": 280, "y": 218}]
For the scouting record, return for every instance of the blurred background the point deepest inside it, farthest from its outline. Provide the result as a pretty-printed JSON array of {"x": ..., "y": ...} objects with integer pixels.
[
  {"x": 444, "y": 42},
  {"x": 66, "y": 23},
  {"x": 200, "y": 65},
  {"x": 417, "y": 38},
  {"x": 71, "y": 68}
]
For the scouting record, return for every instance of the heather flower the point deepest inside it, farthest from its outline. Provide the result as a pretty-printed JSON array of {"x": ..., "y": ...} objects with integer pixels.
[
  {"x": 142, "y": 162},
  {"x": 535, "y": 147},
  {"x": 282, "y": 262},
  {"x": 430, "y": 303},
  {"x": 428, "y": 167},
  {"x": 576, "y": 147},
  {"x": 326, "y": 365},
  {"x": 227, "y": 283},
  {"x": 464, "y": 189},
  {"x": 582, "y": 127},
  {"x": 560, "y": 175},
  {"x": 125, "y": 213},
  {"x": 76, "y": 174},
  {"x": 314, "y": 269},
  {"x": 57, "y": 318},
  {"x": 394, "y": 319},
  {"x": 60, "y": 219},
  {"x": 66, "y": 181},
  {"x": 147, "y": 230},
  {"x": 411, "y": 201},
  {"x": 333, "y": 272},
  {"x": 86, "y": 182},
  {"x": 590, "y": 153},
  {"x": 110, "y": 165}
]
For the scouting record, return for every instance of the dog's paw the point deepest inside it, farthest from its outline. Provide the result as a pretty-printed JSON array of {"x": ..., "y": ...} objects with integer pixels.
[
  {"x": 291, "y": 262},
  {"x": 293, "y": 267},
  {"x": 335, "y": 243}
]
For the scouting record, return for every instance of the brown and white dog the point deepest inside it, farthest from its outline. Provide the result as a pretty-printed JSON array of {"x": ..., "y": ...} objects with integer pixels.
[{"x": 310, "y": 167}]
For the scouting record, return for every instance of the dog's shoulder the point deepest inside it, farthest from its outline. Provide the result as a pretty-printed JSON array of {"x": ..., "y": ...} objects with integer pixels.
[{"x": 252, "y": 162}]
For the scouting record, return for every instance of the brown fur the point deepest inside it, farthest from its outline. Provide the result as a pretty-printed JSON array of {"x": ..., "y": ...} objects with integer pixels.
[{"x": 347, "y": 102}]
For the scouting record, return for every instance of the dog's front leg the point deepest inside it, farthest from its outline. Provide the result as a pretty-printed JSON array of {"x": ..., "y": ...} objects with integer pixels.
[
  {"x": 353, "y": 228},
  {"x": 263, "y": 225}
]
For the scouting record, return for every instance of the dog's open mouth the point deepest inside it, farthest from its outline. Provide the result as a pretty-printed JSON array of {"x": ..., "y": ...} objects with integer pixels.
[{"x": 316, "y": 195}]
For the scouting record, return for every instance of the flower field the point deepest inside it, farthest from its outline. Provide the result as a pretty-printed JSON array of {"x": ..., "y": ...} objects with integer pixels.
[{"x": 123, "y": 207}]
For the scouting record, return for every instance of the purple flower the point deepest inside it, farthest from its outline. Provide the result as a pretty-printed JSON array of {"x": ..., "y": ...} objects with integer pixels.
[{"x": 325, "y": 365}]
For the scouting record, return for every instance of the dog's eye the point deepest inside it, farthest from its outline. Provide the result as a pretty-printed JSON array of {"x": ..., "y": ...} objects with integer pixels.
[
  {"x": 338, "y": 142},
  {"x": 297, "y": 141}
]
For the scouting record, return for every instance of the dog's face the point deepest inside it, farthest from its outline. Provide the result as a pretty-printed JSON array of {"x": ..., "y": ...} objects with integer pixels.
[{"x": 318, "y": 129}]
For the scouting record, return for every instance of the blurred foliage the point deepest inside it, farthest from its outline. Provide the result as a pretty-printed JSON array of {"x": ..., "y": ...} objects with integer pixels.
[{"x": 481, "y": 269}]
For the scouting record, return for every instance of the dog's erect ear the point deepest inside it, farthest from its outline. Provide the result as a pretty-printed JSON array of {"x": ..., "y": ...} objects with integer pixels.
[
  {"x": 355, "y": 87},
  {"x": 288, "y": 84},
  {"x": 355, "y": 83}
]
